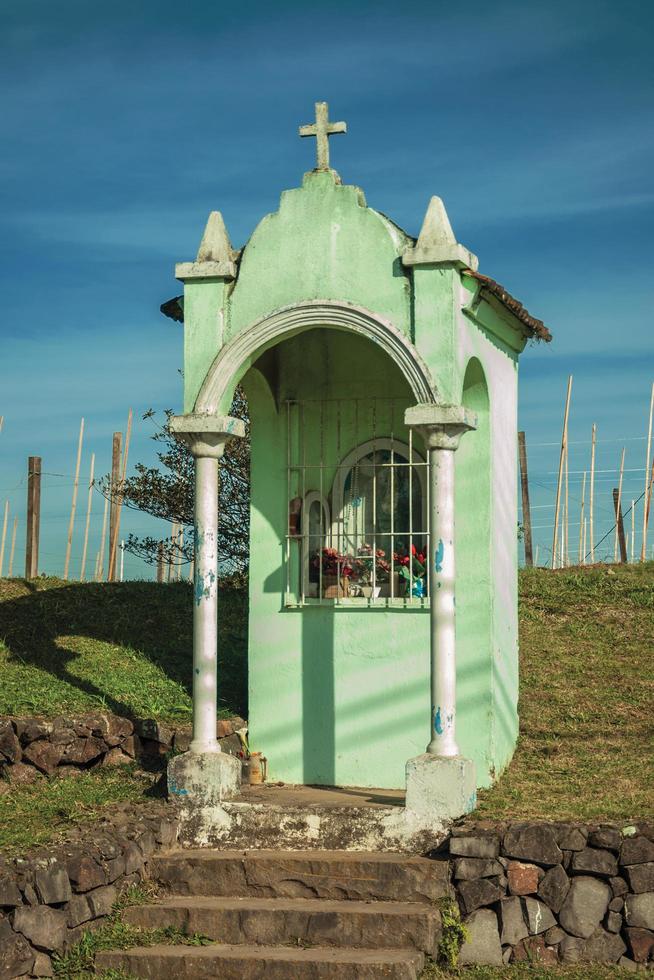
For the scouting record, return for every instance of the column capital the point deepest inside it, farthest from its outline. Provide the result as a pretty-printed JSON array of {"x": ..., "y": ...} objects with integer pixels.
[
  {"x": 441, "y": 426},
  {"x": 206, "y": 435}
]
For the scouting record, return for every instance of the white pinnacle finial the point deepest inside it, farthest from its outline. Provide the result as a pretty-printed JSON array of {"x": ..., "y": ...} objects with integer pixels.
[
  {"x": 215, "y": 246},
  {"x": 436, "y": 243},
  {"x": 436, "y": 228},
  {"x": 322, "y": 129},
  {"x": 216, "y": 259}
]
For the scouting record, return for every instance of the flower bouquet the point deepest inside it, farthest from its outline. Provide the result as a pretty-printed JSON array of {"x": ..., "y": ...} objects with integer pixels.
[
  {"x": 371, "y": 574},
  {"x": 412, "y": 569},
  {"x": 337, "y": 571}
]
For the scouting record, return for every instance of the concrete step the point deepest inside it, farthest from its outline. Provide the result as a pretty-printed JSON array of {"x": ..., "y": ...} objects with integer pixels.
[
  {"x": 262, "y": 963},
  {"x": 342, "y": 875},
  {"x": 317, "y": 922}
]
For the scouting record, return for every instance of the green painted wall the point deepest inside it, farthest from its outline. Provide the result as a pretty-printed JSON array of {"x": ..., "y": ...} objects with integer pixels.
[{"x": 342, "y": 694}]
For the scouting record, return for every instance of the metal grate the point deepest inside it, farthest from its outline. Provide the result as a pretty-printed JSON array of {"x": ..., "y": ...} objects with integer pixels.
[{"x": 358, "y": 496}]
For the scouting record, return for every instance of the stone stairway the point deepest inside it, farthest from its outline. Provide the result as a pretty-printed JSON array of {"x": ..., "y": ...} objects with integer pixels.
[{"x": 290, "y": 916}]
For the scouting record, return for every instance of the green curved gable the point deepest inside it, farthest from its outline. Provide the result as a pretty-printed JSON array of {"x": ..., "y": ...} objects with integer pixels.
[{"x": 323, "y": 243}]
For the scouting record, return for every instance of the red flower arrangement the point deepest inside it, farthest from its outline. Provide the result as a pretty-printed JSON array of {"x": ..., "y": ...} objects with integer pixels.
[
  {"x": 416, "y": 562},
  {"x": 333, "y": 563},
  {"x": 363, "y": 564}
]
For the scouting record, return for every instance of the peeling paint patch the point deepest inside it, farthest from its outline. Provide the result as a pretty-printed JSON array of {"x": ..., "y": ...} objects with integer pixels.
[
  {"x": 438, "y": 722},
  {"x": 203, "y": 586},
  {"x": 438, "y": 557},
  {"x": 174, "y": 788}
]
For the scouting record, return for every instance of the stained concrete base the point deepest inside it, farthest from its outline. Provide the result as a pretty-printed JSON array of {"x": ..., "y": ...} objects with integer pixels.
[
  {"x": 439, "y": 788},
  {"x": 204, "y": 779},
  {"x": 215, "y": 812},
  {"x": 321, "y": 818}
]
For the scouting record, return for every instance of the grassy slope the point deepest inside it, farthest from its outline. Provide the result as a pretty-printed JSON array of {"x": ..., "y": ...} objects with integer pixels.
[
  {"x": 587, "y": 687},
  {"x": 71, "y": 647},
  {"x": 586, "y": 694}
]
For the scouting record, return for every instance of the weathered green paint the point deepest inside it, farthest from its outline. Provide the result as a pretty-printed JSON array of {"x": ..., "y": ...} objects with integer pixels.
[
  {"x": 203, "y": 333},
  {"x": 341, "y": 694}
]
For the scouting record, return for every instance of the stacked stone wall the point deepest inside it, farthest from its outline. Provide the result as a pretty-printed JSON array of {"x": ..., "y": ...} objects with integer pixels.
[
  {"x": 555, "y": 892},
  {"x": 47, "y": 900},
  {"x": 32, "y": 745}
]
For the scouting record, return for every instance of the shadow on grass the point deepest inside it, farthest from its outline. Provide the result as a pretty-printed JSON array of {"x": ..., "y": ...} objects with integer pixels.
[{"x": 52, "y": 625}]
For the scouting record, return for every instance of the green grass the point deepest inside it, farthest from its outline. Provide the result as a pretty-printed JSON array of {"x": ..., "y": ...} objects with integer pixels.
[
  {"x": 77, "y": 963},
  {"x": 124, "y": 647},
  {"x": 586, "y": 695},
  {"x": 526, "y": 971},
  {"x": 44, "y": 811}
]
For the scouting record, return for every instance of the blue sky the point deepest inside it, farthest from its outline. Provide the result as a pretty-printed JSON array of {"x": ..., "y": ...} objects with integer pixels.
[{"x": 125, "y": 124}]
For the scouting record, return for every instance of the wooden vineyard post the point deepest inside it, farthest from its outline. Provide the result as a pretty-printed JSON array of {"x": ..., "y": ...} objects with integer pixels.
[
  {"x": 88, "y": 519},
  {"x": 171, "y": 553},
  {"x": 180, "y": 543},
  {"x": 582, "y": 523},
  {"x": 649, "y": 492},
  {"x": 566, "y": 520},
  {"x": 633, "y": 530},
  {"x": 160, "y": 564},
  {"x": 4, "y": 536},
  {"x": 100, "y": 562},
  {"x": 33, "y": 516},
  {"x": 526, "y": 511},
  {"x": 13, "y": 547},
  {"x": 592, "y": 494},
  {"x": 643, "y": 548},
  {"x": 73, "y": 506},
  {"x": 564, "y": 444},
  {"x": 114, "y": 509},
  {"x": 619, "y": 525},
  {"x": 113, "y": 535}
]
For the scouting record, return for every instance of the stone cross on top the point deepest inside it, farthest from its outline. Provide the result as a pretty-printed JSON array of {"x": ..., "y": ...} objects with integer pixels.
[{"x": 322, "y": 129}]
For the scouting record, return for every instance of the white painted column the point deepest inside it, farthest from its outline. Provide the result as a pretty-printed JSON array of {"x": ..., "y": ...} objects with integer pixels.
[
  {"x": 205, "y": 606},
  {"x": 442, "y": 636},
  {"x": 441, "y": 427},
  {"x": 206, "y": 437}
]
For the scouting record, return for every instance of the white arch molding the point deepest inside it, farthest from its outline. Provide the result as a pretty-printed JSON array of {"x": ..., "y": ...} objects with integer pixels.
[{"x": 241, "y": 351}]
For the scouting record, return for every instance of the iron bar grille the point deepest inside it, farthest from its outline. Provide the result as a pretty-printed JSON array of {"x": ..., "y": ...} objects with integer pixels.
[{"x": 358, "y": 502}]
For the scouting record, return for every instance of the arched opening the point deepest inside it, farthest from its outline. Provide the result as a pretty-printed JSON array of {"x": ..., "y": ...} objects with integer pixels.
[
  {"x": 473, "y": 555},
  {"x": 327, "y": 428}
]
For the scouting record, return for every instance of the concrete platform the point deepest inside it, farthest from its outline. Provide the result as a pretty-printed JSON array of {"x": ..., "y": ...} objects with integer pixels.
[{"x": 285, "y": 794}]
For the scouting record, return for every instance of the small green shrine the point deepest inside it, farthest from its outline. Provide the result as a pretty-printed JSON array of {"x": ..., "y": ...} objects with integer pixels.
[{"x": 381, "y": 376}]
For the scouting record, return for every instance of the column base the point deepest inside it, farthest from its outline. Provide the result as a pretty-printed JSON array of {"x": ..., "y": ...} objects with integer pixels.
[
  {"x": 204, "y": 778},
  {"x": 440, "y": 788}
]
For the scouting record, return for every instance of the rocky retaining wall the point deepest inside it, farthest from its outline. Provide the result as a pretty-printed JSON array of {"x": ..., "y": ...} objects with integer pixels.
[
  {"x": 555, "y": 892},
  {"x": 29, "y": 746},
  {"x": 49, "y": 899}
]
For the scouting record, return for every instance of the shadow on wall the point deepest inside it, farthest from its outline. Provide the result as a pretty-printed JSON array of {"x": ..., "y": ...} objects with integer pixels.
[{"x": 53, "y": 627}]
